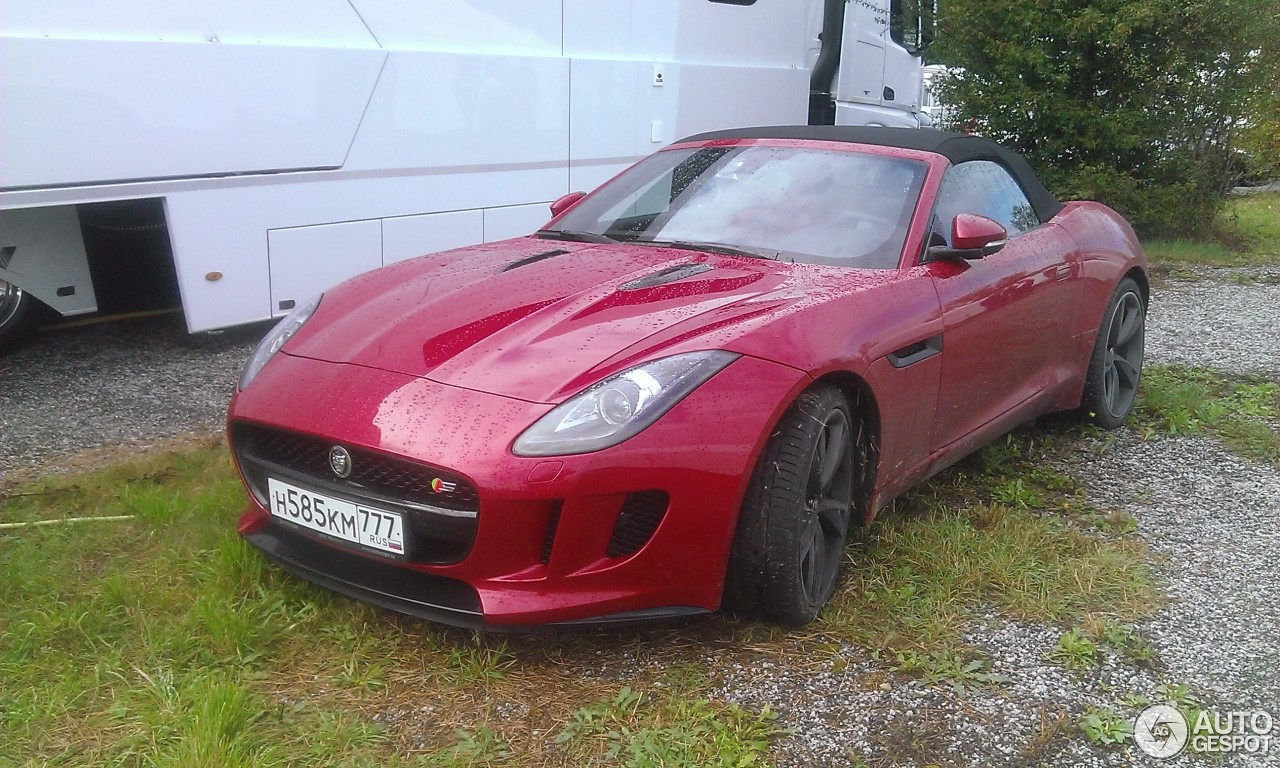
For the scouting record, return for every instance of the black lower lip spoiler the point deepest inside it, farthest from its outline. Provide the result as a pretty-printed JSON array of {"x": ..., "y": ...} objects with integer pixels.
[{"x": 421, "y": 595}]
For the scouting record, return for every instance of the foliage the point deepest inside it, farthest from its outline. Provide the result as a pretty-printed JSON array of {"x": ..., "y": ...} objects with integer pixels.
[
  {"x": 645, "y": 732},
  {"x": 1136, "y": 103},
  {"x": 1105, "y": 727},
  {"x": 1075, "y": 651},
  {"x": 1239, "y": 410},
  {"x": 963, "y": 673}
]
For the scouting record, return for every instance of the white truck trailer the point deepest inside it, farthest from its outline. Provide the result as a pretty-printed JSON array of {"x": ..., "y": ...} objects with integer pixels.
[{"x": 267, "y": 150}]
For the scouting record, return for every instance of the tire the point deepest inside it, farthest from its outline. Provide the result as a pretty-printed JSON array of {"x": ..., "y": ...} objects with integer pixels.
[
  {"x": 795, "y": 519},
  {"x": 1115, "y": 367},
  {"x": 18, "y": 310}
]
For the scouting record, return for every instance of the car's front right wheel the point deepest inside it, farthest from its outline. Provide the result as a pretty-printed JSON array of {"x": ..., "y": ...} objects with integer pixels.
[{"x": 795, "y": 518}]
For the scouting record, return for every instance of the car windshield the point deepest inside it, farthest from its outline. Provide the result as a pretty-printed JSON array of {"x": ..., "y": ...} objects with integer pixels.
[{"x": 818, "y": 206}]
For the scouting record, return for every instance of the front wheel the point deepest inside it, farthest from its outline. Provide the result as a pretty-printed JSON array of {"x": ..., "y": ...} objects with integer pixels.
[
  {"x": 17, "y": 313},
  {"x": 796, "y": 515},
  {"x": 1111, "y": 385}
]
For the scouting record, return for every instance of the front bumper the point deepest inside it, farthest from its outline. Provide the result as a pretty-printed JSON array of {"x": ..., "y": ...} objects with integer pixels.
[{"x": 555, "y": 540}]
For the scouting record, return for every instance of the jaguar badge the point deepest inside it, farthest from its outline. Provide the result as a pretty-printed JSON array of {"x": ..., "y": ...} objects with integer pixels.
[{"x": 340, "y": 461}]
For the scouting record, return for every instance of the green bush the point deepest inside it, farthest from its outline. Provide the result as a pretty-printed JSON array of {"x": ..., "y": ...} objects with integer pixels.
[{"x": 1140, "y": 104}]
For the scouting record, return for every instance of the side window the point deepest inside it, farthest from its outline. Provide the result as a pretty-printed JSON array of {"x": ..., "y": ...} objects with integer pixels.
[
  {"x": 911, "y": 23},
  {"x": 987, "y": 189}
]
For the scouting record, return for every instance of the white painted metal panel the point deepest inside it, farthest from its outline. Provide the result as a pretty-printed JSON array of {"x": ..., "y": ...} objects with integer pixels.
[
  {"x": 769, "y": 33},
  {"x": 874, "y": 114},
  {"x": 224, "y": 229},
  {"x": 712, "y": 98},
  {"x": 308, "y": 260},
  {"x": 585, "y": 178},
  {"x": 405, "y": 237},
  {"x": 515, "y": 221},
  {"x": 48, "y": 256},
  {"x": 526, "y": 27},
  {"x": 902, "y": 73},
  {"x": 605, "y": 96},
  {"x": 434, "y": 110},
  {"x": 78, "y": 111},
  {"x": 278, "y": 22},
  {"x": 862, "y": 77},
  {"x": 621, "y": 29}
]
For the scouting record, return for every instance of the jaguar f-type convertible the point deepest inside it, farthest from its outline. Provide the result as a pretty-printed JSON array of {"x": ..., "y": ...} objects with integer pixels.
[{"x": 683, "y": 391}]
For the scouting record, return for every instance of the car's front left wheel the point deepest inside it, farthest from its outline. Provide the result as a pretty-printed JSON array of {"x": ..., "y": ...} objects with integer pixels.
[{"x": 796, "y": 515}]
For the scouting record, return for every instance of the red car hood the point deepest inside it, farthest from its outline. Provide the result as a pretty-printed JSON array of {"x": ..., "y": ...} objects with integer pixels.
[{"x": 537, "y": 319}]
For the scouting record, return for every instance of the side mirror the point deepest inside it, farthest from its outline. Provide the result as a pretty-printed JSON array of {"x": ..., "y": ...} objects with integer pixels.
[
  {"x": 972, "y": 237},
  {"x": 566, "y": 202}
]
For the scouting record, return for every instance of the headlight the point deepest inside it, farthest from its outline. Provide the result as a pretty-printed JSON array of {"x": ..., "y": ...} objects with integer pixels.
[
  {"x": 620, "y": 406},
  {"x": 275, "y": 339}
]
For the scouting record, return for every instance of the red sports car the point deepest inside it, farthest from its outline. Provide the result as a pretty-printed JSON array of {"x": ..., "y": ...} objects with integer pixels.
[{"x": 682, "y": 392}]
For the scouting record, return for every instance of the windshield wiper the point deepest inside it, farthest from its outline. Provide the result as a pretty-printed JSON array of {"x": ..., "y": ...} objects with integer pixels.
[
  {"x": 695, "y": 245},
  {"x": 574, "y": 235}
]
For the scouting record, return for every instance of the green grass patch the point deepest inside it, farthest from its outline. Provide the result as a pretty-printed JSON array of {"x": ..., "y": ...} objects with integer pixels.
[
  {"x": 640, "y": 731},
  {"x": 1248, "y": 234},
  {"x": 1002, "y": 530},
  {"x": 165, "y": 640},
  {"x": 1241, "y": 411}
]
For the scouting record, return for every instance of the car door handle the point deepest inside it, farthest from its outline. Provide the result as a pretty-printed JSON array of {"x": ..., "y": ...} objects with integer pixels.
[{"x": 1062, "y": 272}]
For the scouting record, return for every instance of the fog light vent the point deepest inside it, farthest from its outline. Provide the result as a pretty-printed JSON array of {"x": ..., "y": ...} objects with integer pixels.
[{"x": 641, "y": 513}]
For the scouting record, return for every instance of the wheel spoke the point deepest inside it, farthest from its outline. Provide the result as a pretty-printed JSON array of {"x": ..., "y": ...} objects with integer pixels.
[
  {"x": 833, "y": 452},
  {"x": 1131, "y": 321},
  {"x": 809, "y": 563},
  {"x": 1128, "y": 373},
  {"x": 1110, "y": 382},
  {"x": 834, "y": 516}
]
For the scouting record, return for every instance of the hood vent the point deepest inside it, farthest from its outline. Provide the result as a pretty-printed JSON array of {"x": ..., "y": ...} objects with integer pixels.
[
  {"x": 668, "y": 275},
  {"x": 531, "y": 259}
]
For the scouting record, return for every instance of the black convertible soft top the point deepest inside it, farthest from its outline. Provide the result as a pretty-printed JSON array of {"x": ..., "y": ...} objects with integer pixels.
[{"x": 956, "y": 147}]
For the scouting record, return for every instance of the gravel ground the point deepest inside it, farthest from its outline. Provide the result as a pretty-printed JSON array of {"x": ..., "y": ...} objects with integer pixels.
[
  {"x": 1218, "y": 323},
  {"x": 1211, "y": 520},
  {"x": 128, "y": 383}
]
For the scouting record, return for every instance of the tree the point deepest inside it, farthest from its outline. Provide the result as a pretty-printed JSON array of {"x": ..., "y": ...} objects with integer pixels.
[{"x": 1136, "y": 103}]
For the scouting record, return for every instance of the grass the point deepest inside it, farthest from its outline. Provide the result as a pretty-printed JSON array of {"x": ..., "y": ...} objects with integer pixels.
[
  {"x": 1241, "y": 411},
  {"x": 163, "y": 639},
  {"x": 1248, "y": 235},
  {"x": 1001, "y": 531}
]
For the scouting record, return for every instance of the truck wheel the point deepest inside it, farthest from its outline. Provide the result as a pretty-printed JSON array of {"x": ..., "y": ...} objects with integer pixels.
[{"x": 17, "y": 313}]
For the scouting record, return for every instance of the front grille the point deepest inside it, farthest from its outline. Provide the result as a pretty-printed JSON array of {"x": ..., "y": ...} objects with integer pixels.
[
  {"x": 377, "y": 479},
  {"x": 371, "y": 471},
  {"x": 641, "y": 513}
]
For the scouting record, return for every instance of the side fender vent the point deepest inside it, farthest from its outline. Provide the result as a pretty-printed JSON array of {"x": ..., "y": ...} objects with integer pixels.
[{"x": 668, "y": 275}]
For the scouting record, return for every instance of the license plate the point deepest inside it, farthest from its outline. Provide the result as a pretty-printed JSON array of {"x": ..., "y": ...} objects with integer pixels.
[{"x": 369, "y": 527}]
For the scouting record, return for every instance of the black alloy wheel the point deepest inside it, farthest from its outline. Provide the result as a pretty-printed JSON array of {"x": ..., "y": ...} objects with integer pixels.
[
  {"x": 1111, "y": 386},
  {"x": 796, "y": 515}
]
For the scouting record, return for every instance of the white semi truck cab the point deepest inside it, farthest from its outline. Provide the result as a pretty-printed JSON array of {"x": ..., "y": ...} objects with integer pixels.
[{"x": 238, "y": 156}]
